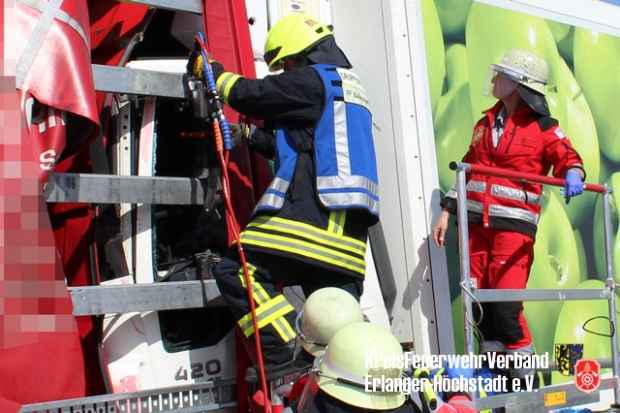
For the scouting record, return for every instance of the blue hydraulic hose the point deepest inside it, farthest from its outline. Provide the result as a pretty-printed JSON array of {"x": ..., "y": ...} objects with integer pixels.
[{"x": 208, "y": 73}]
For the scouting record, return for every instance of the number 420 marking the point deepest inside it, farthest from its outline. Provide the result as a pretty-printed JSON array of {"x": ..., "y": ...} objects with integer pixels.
[{"x": 211, "y": 368}]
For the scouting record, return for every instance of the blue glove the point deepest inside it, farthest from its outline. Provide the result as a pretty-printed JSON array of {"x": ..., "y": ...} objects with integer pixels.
[
  {"x": 573, "y": 185},
  {"x": 458, "y": 372}
]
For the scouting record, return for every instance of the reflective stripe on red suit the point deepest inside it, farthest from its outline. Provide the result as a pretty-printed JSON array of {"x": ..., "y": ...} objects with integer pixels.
[{"x": 530, "y": 143}]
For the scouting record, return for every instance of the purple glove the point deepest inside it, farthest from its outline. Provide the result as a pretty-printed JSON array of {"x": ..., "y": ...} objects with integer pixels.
[{"x": 573, "y": 184}]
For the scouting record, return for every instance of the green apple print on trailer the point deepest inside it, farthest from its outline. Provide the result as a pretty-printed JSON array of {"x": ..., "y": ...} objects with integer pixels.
[
  {"x": 435, "y": 51},
  {"x": 583, "y": 322},
  {"x": 596, "y": 58},
  {"x": 599, "y": 230},
  {"x": 453, "y": 122},
  {"x": 556, "y": 265}
]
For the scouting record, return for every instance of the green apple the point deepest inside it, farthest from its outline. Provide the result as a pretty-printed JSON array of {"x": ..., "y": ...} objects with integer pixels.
[
  {"x": 574, "y": 327},
  {"x": 563, "y": 35},
  {"x": 583, "y": 262},
  {"x": 607, "y": 169},
  {"x": 556, "y": 265},
  {"x": 435, "y": 50},
  {"x": 599, "y": 233},
  {"x": 453, "y": 122},
  {"x": 491, "y": 32},
  {"x": 453, "y": 15},
  {"x": 596, "y": 57},
  {"x": 580, "y": 128}
]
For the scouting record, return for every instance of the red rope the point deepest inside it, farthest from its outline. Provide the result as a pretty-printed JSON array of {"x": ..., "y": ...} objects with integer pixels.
[{"x": 234, "y": 225}]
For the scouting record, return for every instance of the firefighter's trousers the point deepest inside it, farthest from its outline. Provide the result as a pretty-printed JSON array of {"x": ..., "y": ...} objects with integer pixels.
[
  {"x": 501, "y": 259},
  {"x": 275, "y": 315}
]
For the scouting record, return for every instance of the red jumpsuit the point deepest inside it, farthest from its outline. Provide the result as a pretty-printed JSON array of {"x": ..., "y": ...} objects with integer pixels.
[{"x": 503, "y": 213}]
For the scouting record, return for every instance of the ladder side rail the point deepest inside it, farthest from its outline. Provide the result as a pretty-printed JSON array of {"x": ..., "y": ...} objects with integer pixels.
[{"x": 470, "y": 293}]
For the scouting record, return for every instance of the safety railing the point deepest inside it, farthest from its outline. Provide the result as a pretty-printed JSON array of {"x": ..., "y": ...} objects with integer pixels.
[{"x": 470, "y": 292}]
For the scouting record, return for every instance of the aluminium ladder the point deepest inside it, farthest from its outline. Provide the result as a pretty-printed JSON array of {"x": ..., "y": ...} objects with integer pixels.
[{"x": 548, "y": 397}]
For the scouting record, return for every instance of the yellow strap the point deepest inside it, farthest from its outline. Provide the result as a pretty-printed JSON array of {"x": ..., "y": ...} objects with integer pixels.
[
  {"x": 224, "y": 83},
  {"x": 336, "y": 222},
  {"x": 266, "y": 314},
  {"x": 303, "y": 248}
]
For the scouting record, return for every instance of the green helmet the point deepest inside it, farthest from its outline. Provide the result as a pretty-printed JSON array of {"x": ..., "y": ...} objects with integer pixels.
[
  {"x": 525, "y": 68},
  {"x": 325, "y": 312},
  {"x": 291, "y": 35},
  {"x": 356, "y": 353}
]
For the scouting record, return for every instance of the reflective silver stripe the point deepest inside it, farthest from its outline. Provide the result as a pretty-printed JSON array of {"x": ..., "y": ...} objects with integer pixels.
[
  {"x": 35, "y": 41},
  {"x": 270, "y": 200},
  {"x": 342, "y": 138},
  {"x": 352, "y": 181},
  {"x": 474, "y": 206},
  {"x": 352, "y": 88},
  {"x": 304, "y": 249},
  {"x": 274, "y": 200},
  {"x": 476, "y": 186},
  {"x": 510, "y": 212},
  {"x": 504, "y": 211},
  {"x": 351, "y": 198},
  {"x": 279, "y": 184},
  {"x": 514, "y": 193}
]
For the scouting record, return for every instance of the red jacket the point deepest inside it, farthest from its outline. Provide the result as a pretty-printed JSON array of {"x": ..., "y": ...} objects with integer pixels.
[{"x": 529, "y": 143}]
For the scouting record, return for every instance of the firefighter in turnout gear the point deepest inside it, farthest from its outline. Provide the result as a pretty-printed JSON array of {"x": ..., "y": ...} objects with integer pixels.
[
  {"x": 516, "y": 133},
  {"x": 310, "y": 226}
]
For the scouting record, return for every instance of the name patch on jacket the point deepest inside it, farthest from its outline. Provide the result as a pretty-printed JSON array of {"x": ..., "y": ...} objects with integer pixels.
[{"x": 352, "y": 88}]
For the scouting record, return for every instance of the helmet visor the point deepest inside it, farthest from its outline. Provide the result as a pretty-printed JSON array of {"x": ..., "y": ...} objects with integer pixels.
[
  {"x": 515, "y": 75},
  {"x": 269, "y": 56}
]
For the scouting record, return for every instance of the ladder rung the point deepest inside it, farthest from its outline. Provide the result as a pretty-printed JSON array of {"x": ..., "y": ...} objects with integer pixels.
[
  {"x": 115, "y": 189},
  {"x": 504, "y": 295},
  {"x": 191, "y": 6},
  {"x": 568, "y": 395},
  {"x": 138, "y": 82},
  {"x": 203, "y": 397},
  {"x": 110, "y": 299}
]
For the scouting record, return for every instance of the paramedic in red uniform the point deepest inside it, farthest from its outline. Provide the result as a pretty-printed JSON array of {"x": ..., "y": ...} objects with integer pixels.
[{"x": 518, "y": 134}]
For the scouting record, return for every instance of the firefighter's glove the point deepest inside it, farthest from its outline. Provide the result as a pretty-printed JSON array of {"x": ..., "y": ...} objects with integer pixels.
[
  {"x": 241, "y": 132},
  {"x": 573, "y": 184},
  {"x": 456, "y": 372},
  {"x": 195, "y": 66}
]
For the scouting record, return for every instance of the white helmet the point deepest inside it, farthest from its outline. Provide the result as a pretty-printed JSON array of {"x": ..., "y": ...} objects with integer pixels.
[
  {"x": 355, "y": 354},
  {"x": 326, "y": 311},
  {"x": 531, "y": 74},
  {"x": 525, "y": 68}
]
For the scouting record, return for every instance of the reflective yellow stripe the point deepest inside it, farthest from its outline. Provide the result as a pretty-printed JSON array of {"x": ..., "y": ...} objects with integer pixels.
[
  {"x": 266, "y": 314},
  {"x": 303, "y": 248},
  {"x": 258, "y": 292},
  {"x": 281, "y": 325},
  {"x": 341, "y": 220},
  {"x": 310, "y": 232},
  {"x": 336, "y": 222},
  {"x": 224, "y": 83},
  {"x": 331, "y": 221},
  {"x": 284, "y": 329}
]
